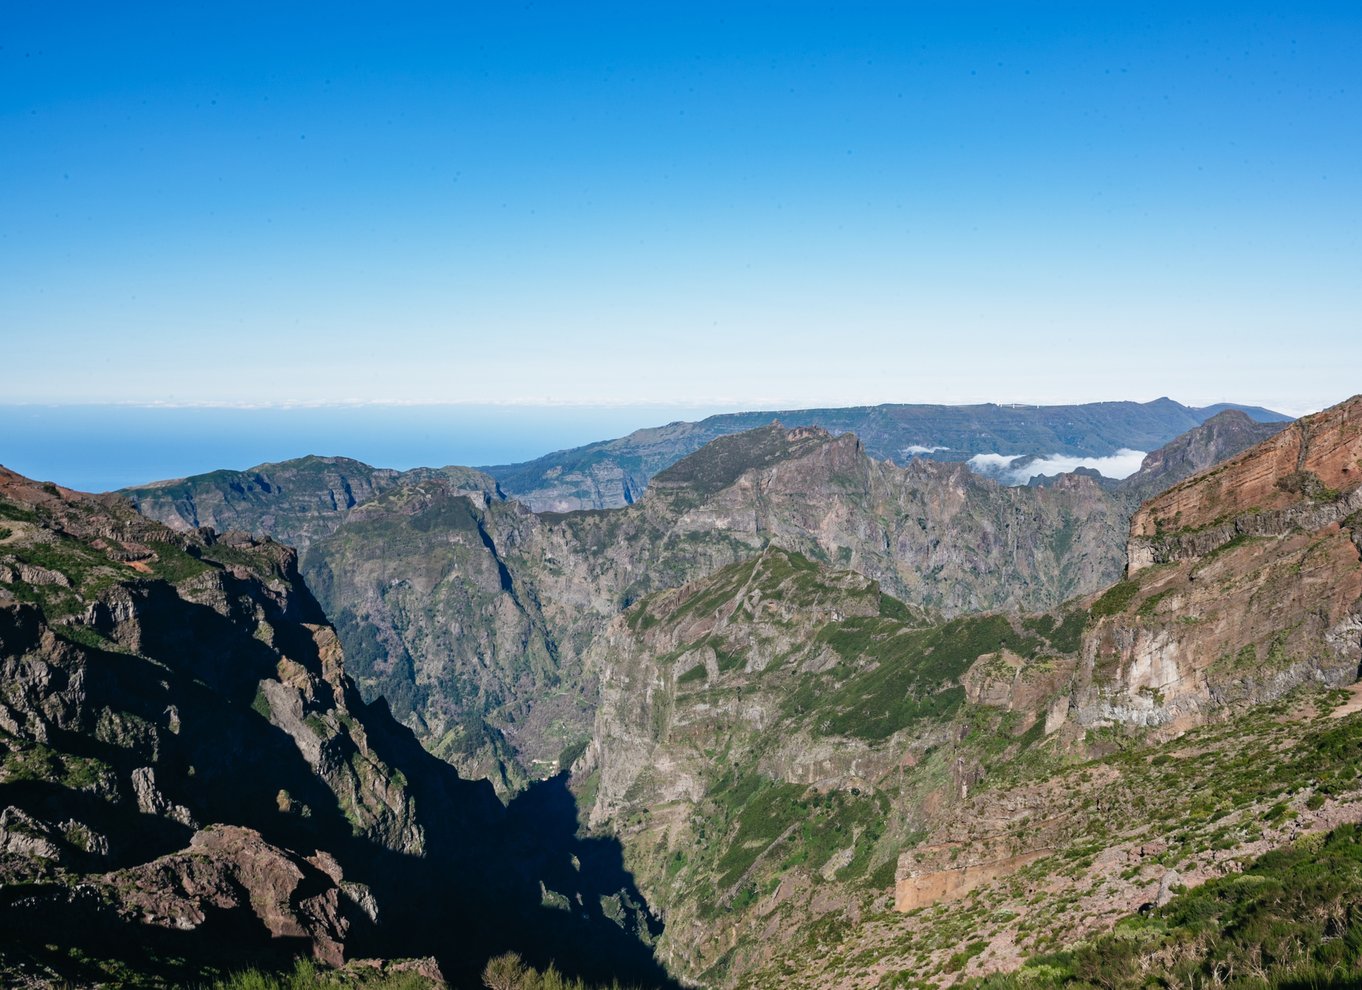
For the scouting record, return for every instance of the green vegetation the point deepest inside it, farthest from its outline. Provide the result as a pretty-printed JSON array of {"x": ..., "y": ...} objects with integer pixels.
[
  {"x": 1116, "y": 599},
  {"x": 695, "y": 675},
  {"x": 1292, "y": 919},
  {"x": 174, "y": 564},
  {"x": 510, "y": 972},
  {"x": 914, "y": 674},
  {"x": 1068, "y": 635},
  {"x": 892, "y": 608},
  {"x": 571, "y": 753},
  {"x": 17, "y": 513},
  {"x": 34, "y": 762},
  {"x": 306, "y": 976},
  {"x": 765, "y": 809}
]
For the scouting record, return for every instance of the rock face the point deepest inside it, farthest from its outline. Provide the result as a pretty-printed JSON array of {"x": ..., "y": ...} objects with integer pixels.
[
  {"x": 1244, "y": 582},
  {"x": 1218, "y": 439},
  {"x": 474, "y": 615},
  {"x": 614, "y": 473},
  {"x": 919, "y": 889},
  {"x": 229, "y": 869},
  {"x": 189, "y": 778}
]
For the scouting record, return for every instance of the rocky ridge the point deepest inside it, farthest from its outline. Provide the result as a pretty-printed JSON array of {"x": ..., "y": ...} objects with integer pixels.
[
  {"x": 294, "y": 502},
  {"x": 615, "y": 473}
]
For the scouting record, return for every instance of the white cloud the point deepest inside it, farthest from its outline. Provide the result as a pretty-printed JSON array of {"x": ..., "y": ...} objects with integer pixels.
[
  {"x": 1121, "y": 464},
  {"x": 912, "y": 450},
  {"x": 992, "y": 464}
]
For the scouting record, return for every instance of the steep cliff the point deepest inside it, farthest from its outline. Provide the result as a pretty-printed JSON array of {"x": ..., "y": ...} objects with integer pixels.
[
  {"x": 1243, "y": 581},
  {"x": 189, "y": 780}
]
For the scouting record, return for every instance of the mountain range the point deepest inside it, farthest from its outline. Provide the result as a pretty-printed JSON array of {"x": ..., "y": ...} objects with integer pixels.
[
  {"x": 471, "y": 615},
  {"x": 613, "y": 473},
  {"x": 803, "y": 709}
]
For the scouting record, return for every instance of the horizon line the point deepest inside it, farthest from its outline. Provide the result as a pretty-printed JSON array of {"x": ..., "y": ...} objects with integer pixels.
[{"x": 759, "y": 404}]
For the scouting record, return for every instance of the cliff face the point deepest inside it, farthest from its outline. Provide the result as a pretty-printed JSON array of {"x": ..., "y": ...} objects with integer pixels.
[
  {"x": 189, "y": 778},
  {"x": 441, "y": 618},
  {"x": 1243, "y": 581}
]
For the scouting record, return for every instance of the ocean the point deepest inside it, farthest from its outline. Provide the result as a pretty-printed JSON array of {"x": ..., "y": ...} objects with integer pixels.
[{"x": 99, "y": 448}]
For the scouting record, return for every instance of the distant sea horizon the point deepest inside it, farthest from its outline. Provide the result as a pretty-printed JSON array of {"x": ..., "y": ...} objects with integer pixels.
[
  {"x": 98, "y": 448},
  {"x": 105, "y": 447}
]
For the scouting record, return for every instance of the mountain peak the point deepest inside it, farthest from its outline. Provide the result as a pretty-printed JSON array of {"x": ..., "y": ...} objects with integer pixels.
[{"x": 725, "y": 459}]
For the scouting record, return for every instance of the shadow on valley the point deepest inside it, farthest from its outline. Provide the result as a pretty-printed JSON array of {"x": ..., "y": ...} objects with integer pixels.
[
  {"x": 491, "y": 879},
  {"x": 526, "y": 882}
]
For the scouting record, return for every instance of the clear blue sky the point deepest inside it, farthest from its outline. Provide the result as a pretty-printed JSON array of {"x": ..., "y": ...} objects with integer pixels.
[{"x": 729, "y": 204}]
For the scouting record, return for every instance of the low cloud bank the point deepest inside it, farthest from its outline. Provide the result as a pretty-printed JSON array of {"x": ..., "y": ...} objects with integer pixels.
[{"x": 1005, "y": 468}]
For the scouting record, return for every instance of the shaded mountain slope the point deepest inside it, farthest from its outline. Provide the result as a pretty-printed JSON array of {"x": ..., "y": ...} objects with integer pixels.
[{"x": 189, "y": 779}]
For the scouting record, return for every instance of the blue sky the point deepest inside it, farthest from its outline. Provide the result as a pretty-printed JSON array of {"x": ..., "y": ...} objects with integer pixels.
[{"x": 722, "y": 205}]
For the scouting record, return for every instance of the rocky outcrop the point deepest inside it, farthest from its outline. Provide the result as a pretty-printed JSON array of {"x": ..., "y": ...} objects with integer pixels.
[
  {"x": 918, "y": 888},
  {"x": 1306, "y": 477},
  {"x": 232, "y": 870},
  {"x": 1245, "y": 582}
]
